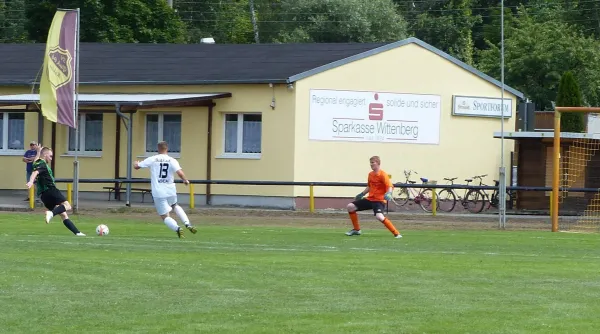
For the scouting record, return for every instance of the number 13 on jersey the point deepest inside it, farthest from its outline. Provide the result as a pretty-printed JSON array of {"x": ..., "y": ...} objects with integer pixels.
[{"x": 164, "y": 170}]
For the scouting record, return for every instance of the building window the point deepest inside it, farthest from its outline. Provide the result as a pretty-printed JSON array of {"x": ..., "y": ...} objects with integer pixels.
[
  {"x": 90, "y": 134},
  {"x": 243, "y": 135},
  {"x": 12, "y": 131},
  {"x": 163, "y": 127}
]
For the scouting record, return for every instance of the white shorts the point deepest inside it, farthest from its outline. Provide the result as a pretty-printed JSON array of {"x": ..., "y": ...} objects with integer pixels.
[{"x": 163, "y": 205}]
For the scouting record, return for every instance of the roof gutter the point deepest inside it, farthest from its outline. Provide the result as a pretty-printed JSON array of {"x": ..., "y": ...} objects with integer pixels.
[{"x": 156, "y": 83}]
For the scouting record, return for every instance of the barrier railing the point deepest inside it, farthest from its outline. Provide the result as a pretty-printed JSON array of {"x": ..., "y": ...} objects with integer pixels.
[{"x": 311, "y": 186}]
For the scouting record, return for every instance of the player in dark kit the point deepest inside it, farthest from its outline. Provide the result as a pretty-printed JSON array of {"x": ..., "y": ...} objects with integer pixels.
[{"x": 53, "y": 199}]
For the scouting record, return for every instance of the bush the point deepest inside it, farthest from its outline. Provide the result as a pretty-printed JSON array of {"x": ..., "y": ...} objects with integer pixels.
[{"x": 569, "y": 95}]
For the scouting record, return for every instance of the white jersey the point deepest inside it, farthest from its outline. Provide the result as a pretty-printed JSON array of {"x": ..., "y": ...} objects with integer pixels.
[{"x": 162, "y": 174}]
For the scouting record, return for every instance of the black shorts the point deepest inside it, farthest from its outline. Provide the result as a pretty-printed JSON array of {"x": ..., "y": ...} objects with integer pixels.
[
  {"x": 365, "y": 204},
  {"x": 52, "y": 197}
]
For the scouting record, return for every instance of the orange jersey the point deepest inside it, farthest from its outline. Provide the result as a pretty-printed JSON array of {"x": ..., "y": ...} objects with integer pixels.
[{"x": 378, "y": 184}]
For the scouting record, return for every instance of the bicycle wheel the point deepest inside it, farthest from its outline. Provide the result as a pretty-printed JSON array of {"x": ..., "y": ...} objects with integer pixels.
[
  {"x": 425, "y": 200},
  {"x": 474, "y": 201},
  {"x": 447, "y": 200},
  {"x": 509, "y": 200},
  {"x": 400, "y": 197},
  {"x": 495, "y": 200},
  {"x": 487, "y": 201}
]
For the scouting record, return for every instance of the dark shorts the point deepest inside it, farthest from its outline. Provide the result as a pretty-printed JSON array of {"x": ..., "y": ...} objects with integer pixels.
[
  {"x": 52, "y": 197},
  {"x": 365, "y": 204}
]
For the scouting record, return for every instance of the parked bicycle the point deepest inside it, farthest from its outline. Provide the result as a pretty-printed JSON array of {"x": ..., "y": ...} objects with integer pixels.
[
  {"x": 494, "y": 199},
  {"x": 402, "y": 195},
  {"x": 473, "y": 200}
]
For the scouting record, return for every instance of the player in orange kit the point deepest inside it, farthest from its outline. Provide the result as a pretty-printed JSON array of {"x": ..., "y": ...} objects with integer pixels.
[{"x": 379, "y": 188}]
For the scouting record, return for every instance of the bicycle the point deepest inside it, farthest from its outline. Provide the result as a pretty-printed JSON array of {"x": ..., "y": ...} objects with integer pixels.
[
  {"x": 470, "y": 201},
  {"x": 401, "y": 196},
  {"x": 494, "y": 199}
]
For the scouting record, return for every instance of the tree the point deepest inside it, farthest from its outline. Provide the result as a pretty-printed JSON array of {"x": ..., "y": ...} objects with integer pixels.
[
  {"x": 446, "y": 25},
  {"x": 569, "y": 95},
  {"x": 585, "y": 14},
  {"x": 537, "y": 51},
  {"x": 341, "y": 21},
  {"x": 12, "y": 21},
  {"x": 145, "y": 21},
  {"x": 226, "y": 21},
  {"x": 254, "y": 22},
  {"x": 234, "y": 23},
  {"x": 488, "y": 29},
  {"x": 131, "y": 21}
]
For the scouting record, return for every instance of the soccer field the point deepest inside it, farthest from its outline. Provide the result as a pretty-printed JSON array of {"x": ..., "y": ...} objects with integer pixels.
[{"x": 291, "y": 275}]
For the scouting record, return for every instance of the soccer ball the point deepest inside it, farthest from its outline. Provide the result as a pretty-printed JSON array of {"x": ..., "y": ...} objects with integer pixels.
[{"x": 102, "y": 230}]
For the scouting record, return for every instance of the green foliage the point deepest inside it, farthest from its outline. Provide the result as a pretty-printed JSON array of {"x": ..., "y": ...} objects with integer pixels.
[
  {"x": 584, "y": 14},
  {"x": 569, "y": 95},
  {"x": 200, "y": 17},
  {"x": 538, "y": 49},
  {"x": 234, "y": 25},
  {"x": 488, "y": 29},
  {"x": 341, "y": 21},
  {"x": 543, "y": 38},
  {"x": 12, "y": 21},
  {"x": 139, "y": 21},
  {"x": 491, "y": 31},
  {"x": 448, "y": 26},
  {"x": 146, "y": 21},
  {"x": 228, "y": 21}
]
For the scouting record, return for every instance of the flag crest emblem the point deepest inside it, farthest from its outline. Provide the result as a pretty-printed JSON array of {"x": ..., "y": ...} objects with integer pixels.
[
  {"x": 60, "y": 65},
  {"x": 58, "y": 81}
]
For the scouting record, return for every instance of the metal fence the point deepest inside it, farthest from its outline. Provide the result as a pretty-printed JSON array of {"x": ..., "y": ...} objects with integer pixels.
[
  {"x": 334, "y": 184},
  {"x": 311, "y": 186}
]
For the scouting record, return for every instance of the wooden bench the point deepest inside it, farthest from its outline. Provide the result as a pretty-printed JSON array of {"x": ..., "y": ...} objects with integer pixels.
[{"x": 119, "y": 188}]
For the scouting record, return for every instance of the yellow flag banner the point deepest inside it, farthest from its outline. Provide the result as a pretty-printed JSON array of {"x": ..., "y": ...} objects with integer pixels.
[{"x": 57, "y": 86}]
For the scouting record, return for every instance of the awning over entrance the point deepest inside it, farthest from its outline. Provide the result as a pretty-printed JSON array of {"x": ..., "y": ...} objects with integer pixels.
[
  {"x": 125, "y": 103},
  {"x": 124, "y": 100}
]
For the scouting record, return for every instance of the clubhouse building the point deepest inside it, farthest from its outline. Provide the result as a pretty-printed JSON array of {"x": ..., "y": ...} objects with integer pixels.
[{"x": 262, "y": 112}]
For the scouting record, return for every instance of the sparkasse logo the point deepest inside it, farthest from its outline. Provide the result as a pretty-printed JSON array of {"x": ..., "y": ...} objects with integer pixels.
[
  {"x": 376, "y": 110},
  {"x": 373, "y": 116}
]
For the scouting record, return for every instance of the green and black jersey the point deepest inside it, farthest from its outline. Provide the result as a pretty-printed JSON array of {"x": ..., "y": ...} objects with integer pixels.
[{"x": 45, "y": 178}]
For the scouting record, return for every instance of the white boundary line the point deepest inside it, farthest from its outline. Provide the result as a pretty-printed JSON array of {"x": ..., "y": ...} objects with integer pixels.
[{"x": 188, "y": 247}]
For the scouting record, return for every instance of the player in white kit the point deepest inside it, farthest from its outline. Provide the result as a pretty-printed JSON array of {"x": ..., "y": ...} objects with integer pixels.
[{"x": 162, "y": 176}]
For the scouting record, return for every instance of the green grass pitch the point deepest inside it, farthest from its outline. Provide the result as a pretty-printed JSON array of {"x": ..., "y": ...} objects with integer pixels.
[{"x": 291, "y": 275}]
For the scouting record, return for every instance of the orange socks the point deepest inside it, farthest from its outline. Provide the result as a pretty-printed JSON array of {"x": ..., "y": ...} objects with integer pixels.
[
  {"x": 354, "y": 219},
  {"x": 390, "y": 226}
]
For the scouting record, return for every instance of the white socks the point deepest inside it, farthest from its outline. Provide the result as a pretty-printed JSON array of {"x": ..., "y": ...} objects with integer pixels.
[
  {"x": 171, "y": 223},
  {"x": 184, "y": 218}
]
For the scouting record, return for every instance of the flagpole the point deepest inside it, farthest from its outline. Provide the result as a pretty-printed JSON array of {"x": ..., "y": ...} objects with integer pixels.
[
  {"x": 76, "y": 115},
  {"x": 502, "y": 174}
]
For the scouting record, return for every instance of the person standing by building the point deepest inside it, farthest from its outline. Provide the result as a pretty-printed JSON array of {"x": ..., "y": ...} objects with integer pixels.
[{"x": 28, "y": 158}]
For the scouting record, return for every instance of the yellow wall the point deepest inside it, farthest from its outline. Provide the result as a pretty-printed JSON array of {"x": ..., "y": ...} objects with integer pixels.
[
  {"x": 466, "y": 146},
  {"x": 275, "y": 163},
  {"x": 287, "y": 153},
  {"x": 193, "y": 144},
  {"x": 89, "y": 167},
  {"x": 13, "y": 164}
]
